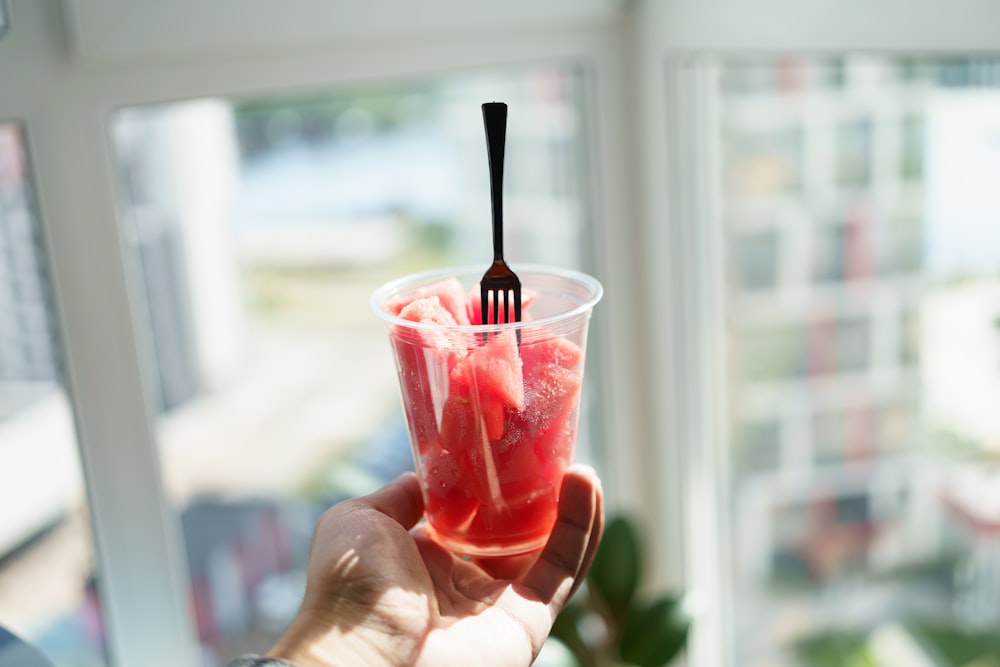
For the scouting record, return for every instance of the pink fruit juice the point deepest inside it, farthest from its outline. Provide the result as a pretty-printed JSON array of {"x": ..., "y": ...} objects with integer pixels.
[{"x": 492, "y": 420}]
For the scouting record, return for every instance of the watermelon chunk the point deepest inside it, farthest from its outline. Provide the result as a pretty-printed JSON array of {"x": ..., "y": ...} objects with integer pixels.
[
  {"x": 554, "y": 445},
  {"x": 558, "y": 351},
  {"x": 419, "y": 375},
  {"x": 490, "y": 378},
  {"x": 430, "y": 310},
  {"x": 552, "y": 393},
  {"x": 461, "y": 424},
  {"x": 475, "y": 301},
  {"x": 468, "y": 419},
  {"x": 449, "y": 292},
  {"x": 552, "y": 381},
  {"x": 450, "y": 502}
]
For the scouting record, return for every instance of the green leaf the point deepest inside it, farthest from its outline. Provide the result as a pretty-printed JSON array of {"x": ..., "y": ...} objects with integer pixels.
[
  {"x": 831, "y": 649},
  {"x": 555, "y": 653},
  {"x": 959, "y": 646},
  {"x": 566, "y": 629},
  {"x": 617, "y": 566},
  {"x": 655, "y": 632}
]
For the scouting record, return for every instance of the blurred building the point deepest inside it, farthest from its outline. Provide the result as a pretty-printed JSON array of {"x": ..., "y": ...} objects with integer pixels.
[
  {"x": 823, "y": 171},
  {"x": 177, "y": 176},
  {"x": 858, "y": 199},
  {"x": 39, "y": 471},
  {"x": 28, "y": 350}
]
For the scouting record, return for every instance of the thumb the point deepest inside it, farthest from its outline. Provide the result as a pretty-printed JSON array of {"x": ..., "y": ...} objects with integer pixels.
[
  {"x": 567, "y": 555},
  {"x": 400, "y": 500}
]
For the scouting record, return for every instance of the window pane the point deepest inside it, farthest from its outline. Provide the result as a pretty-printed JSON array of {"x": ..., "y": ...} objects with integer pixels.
[
  {"x": 47, "y": 561},
  {"x": 862, "y": 222},
  {"x": 259, "y": 228}
]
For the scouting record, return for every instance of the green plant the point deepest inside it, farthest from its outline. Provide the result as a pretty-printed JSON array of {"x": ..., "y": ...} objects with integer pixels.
[{"x": 609, "y": 623}]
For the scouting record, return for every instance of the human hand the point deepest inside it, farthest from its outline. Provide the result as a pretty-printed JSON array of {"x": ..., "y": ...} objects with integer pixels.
[{"x": 380, "y": 592}]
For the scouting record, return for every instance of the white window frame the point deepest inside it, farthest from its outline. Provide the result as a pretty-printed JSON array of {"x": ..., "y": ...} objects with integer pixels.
[
  {"x": 684, "y": 248},
  {"x": 65, "y": 66}
]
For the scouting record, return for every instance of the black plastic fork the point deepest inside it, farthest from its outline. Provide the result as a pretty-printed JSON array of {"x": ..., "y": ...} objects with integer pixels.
[{"x": 499, "y": 282}]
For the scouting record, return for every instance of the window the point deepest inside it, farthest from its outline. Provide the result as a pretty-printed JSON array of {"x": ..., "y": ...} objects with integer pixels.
[
  {"x": 257, "y": 229},
  {"x": 862, "y": 358},
  {"x": 47, "y": 560}
]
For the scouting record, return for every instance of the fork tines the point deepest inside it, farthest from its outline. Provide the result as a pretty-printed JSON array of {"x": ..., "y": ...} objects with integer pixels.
[{"x": 500, "y": 283}]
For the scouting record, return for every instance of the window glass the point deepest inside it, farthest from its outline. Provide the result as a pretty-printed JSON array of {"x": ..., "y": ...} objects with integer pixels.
[
  {"x": 259, "y": 227},
  {"x": 47, "y": 563},
  {"x": 862, "y": 222}
]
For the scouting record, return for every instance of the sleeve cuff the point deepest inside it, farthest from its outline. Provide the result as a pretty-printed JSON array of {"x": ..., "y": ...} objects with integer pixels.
[{"x": 257, "y": 661}]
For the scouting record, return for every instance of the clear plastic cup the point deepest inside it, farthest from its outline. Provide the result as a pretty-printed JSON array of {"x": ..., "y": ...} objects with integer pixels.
[{"x": 492, "y": 410}]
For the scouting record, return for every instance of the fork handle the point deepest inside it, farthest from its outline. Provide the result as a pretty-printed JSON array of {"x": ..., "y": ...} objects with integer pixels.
[{"x": 495, "y": 121}]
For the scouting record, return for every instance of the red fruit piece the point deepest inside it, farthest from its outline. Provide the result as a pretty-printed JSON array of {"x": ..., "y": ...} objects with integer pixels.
[
  {"x": 450, "y": 502},
  {"x": 464, "y": 439},
  {"x": 475, "y": 313},
  {"x": 461, "y": 426},
  {"x": 490, "y": 379},
  {"x": 551, "y": 394},
  {"x": 430, "y": 310},
  {"x": 423, "y": 356},
  {"x": 554, "y": 445},
  {"x": 558, "y": 351},
  {"x": 450, "y": 294},
  {"x": 551, "y": 380}
]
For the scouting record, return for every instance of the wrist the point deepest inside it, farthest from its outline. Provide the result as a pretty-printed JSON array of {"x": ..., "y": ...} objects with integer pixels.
[{"x": 333, "y": 647}]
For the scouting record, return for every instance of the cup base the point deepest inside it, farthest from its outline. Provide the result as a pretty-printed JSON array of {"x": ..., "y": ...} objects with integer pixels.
[{"x": 465, "y": 548}]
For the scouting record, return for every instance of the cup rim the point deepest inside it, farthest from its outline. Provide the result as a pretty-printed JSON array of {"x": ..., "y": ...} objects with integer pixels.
[{"x": 590, "y": 283}]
